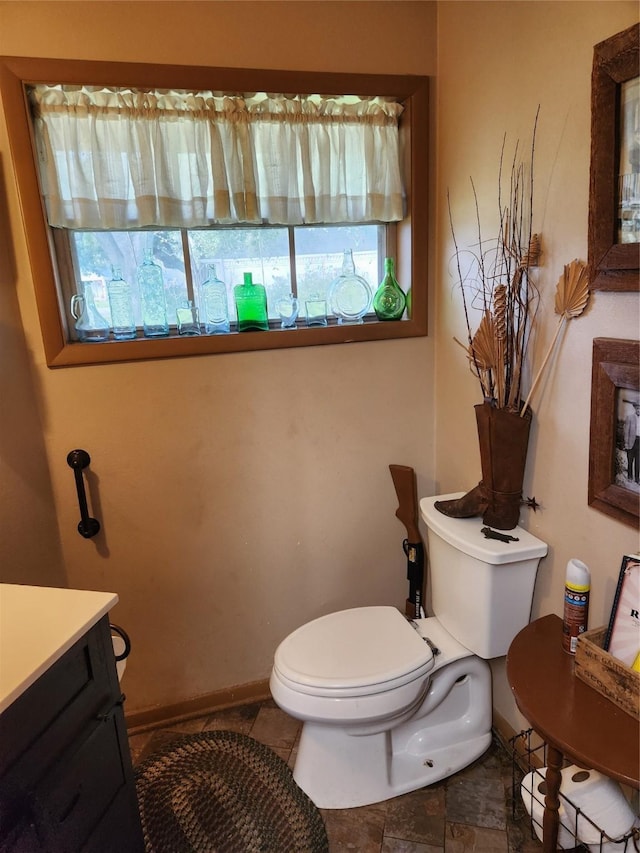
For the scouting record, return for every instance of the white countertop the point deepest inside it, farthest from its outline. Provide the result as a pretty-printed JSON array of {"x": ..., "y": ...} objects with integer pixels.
[{"x": 37, "y": 626}]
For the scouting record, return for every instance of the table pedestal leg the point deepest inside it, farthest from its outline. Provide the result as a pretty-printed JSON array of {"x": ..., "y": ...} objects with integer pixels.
[{"x": 550, "y": 820}]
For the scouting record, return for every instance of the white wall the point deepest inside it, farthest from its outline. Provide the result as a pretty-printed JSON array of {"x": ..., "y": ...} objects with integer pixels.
[
  {"x": 497, "y": 62},
  {"x": 240, "y": 495}
]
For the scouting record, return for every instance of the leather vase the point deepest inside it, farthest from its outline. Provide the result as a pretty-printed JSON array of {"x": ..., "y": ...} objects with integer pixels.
[{"x": 503, "y": 438}]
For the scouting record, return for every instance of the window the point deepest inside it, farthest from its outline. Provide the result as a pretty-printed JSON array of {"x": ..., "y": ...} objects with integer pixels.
[{"x": 193, "y": 190}]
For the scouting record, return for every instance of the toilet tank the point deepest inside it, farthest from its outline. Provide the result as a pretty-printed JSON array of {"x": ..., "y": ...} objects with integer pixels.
[{"x": 481, "y": 589}]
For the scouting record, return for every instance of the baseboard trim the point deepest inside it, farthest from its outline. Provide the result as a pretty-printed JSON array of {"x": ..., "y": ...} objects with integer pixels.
[
  {"x": 527, "y": 754},
  {"x": 163, "y": 715},
  {"x": 160, "y": 716},
  {"x": 502, "y": 729}
]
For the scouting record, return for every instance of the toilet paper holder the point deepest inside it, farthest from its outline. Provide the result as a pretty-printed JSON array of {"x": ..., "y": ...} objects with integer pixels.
[{"x": 116, "y": 629}]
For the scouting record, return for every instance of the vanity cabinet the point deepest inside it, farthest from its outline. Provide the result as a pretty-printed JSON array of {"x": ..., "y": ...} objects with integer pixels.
[{"x": 66, "y": 780}]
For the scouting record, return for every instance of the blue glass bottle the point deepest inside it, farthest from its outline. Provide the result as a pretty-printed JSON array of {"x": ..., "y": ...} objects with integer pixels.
[
  {"x": 152, "y": 298},
  {"x": 287, "y": 308},
  {"x": 123, "y": 322},
  {"x": 90, "y": 325},
  {"x": 214, "y": 305}
]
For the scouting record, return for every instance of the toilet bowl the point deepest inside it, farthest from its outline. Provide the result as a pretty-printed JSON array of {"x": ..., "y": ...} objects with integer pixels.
[
  {"x": 389, "y": 705},
  {"x": 362, "y": 668}
]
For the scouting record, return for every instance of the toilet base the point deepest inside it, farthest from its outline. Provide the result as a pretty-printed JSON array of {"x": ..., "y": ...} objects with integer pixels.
[{"x": 338, "y": 770}]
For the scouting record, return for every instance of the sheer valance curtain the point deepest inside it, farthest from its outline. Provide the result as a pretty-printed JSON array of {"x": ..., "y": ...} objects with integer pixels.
[{"x": 122, "y": 159}]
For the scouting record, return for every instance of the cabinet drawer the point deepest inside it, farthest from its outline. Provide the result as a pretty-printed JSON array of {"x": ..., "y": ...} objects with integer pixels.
[
  {"x": 80, "y": 789},
  {"x": 42, "y": 722}
]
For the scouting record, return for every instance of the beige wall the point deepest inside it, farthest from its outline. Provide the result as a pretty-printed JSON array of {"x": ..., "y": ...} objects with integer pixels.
[
  {"x": 497, "y": 63},
  {"x": 240, "y": 495}
]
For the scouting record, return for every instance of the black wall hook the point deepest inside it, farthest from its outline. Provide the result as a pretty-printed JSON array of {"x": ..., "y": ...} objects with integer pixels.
[{"x": 78, "y": 460}]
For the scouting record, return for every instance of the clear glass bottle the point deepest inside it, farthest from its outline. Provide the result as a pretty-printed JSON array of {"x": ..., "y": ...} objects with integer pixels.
[
  {"x": 316, "y": 310},
  {"x": 349, "y": 294},
  {"x": 188, "y": 320},
  {"x": 389, "y": 300},
  {"x": 122, "y": 317},
  {"x": 251, "y": 305},
  {"x": 214, "y": 305},
  {"x": 287, "y": 308},
  {"x": 91, "y": 326},
  {"x": 152, "y": 298}
]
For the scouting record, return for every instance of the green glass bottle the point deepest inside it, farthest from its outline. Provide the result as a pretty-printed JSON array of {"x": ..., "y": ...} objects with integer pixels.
[
  {"x": 389, "y": 300},
  {"x": 251, "y": 305}
]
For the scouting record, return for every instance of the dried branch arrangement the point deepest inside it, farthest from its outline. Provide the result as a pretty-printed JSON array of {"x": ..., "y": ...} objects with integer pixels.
[
  {"x": 572, "y": 295},
  {"x": 498, "y": 282}
]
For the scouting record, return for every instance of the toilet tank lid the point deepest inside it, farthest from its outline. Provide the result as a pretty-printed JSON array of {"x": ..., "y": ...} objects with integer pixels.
[{"x": 466, "y": 535}]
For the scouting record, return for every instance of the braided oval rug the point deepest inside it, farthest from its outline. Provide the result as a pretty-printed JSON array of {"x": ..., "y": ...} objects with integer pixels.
[{"x": 224, "y": 792}]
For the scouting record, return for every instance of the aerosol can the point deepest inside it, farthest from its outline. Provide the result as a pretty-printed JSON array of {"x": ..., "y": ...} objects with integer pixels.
[{"x": 576, "y": 604}]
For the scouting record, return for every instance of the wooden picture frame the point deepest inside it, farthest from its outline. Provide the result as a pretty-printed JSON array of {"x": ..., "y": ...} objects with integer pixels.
[
  {"x": 613, "y": 264},
  {"x": 615, "y": 391}
]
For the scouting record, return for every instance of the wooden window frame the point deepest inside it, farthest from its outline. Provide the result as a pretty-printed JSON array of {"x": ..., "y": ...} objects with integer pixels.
[{"x": 412, "y": 253}]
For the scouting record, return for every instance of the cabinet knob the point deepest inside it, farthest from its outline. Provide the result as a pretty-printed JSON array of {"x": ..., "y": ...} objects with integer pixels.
[{"x": 107, "y": 715}]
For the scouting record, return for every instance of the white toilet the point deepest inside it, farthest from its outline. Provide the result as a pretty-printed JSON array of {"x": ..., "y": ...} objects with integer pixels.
[{"x": 390, "y": 705}]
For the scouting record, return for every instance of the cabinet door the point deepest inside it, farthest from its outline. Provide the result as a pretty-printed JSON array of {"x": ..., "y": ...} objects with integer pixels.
[
  {"x": 66, "y": 778},
  {"x": 18, "y": 826},
  {"x": 80, "y": 788},
  {"x": 44, "y": 722}
]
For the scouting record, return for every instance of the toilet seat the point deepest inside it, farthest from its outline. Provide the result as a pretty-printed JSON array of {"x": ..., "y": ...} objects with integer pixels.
[{"x": 352, "y": 653}]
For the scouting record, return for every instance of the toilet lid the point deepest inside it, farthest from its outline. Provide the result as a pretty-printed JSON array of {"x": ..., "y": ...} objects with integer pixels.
[{"x": 366, "y": 649}]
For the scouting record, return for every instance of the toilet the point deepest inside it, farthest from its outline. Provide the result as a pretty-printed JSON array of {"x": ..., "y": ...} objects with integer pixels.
[{"x": 390, "y": 705}]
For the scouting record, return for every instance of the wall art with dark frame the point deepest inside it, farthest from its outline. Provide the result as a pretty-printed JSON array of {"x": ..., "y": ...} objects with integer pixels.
[
  {"x": 614, "y": 191},
  {"x": 614, "y": 444},
  {"x": 622, "y": 639}
]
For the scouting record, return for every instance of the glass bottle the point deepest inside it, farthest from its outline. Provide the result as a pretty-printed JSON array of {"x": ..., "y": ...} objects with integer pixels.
[
  {"x": 214, "y": 306},
  {"x": 389, "y": 300},
  {"x": 152, "y": 298},
  {"x": 188, "y": 320},
  {"x": 287, "y": 308},
  {"x": 122, "y": 319},
  {"x": 91, "y": 327},
  {"x": 316, "y": 310},
  {"x": 349, "y": 294},
  {"x": 251, "y": 305}
]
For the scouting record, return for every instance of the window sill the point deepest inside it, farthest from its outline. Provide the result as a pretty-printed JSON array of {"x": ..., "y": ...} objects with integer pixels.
[{"x": 142, "y": 349}]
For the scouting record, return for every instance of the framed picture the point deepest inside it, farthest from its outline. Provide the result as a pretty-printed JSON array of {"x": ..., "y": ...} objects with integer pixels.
[
  {"x": 614, "y": 442},
  {"x": 622, "y": 639},
  {"x": 614, "y": 190}
]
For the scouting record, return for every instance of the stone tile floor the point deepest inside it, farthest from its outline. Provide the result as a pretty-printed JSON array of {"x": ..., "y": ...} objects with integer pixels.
[{"x": 470, "y": 811}]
